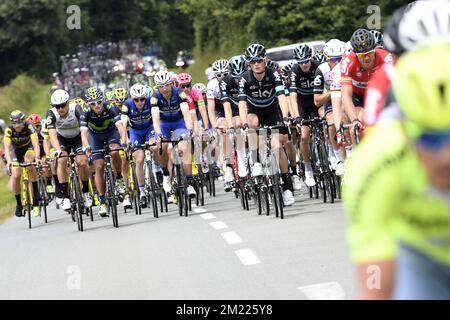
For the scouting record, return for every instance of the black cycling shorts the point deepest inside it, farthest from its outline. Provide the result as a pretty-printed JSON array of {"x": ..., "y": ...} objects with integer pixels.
[
  {"x": 307, "y": 109},
  {"x": 18, "y": 154},
  {"x": 358, "y": 100},
  {"x": 269, "y": 116},
  {"x": 220, "y": 112},
  {"x": 70, "y": 144}
]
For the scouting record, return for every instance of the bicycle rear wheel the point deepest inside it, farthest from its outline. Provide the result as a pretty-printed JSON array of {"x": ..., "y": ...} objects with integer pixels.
[
  {"x": 28, "y": 204},
  {"x": 76, "y": 196},
  {"x": 110, "y": 196}
]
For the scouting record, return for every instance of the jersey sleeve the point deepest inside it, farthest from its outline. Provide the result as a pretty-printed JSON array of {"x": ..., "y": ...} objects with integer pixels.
[
  {"x": 279, "y": 85},
  {"x": 210, "y": 94},
  {"x": 243, "y": 90},
  {"x": 33, "y": 133},
  {"x": 293, "y": 86},
  {"x": 126, "y": 109},
  {"x": 319, "y": 82},
  {"x": 84, "y": 117},
  {"x": 371, "y": 196},
  {"x": 347, "y": 66},
  {"x": 115, "y": 113},
  {"x": 51, "y": 120},
  {"x": 8, "y": 135},
  {"x": 224, "y": 92}
]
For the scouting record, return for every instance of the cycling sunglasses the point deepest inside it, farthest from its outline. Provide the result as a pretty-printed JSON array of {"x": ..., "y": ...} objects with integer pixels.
[
  {"x": 18, "y": 123},
  {"x": 256, "y": 61},
  {"x": 60, "y": 106},
  {"x": 139, "y": 100},
  {"x": 185, "y": 86},
  {"x": 433, "y": 141},
  {"x": 335, "y": 59},
  {"x": 303, "y": 61},
  {"x": 362, "y": 55},
  {"x": 95, "y": 103},
  {"x": 220, "y": 75}
]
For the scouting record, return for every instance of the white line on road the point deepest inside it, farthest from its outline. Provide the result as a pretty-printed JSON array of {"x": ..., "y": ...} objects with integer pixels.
[
  {"x": 247, "y": 257},
  {"x": 218, "y": 225},
  {"x": 208, "y": 216},
  {"x": 231, "y": 237},
  {"x": 323, "y": 291},
  {"x": 199, "y": 210}
]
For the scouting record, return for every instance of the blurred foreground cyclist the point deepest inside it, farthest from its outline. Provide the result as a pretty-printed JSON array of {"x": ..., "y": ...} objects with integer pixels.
[{"x": 398, "y": 198}]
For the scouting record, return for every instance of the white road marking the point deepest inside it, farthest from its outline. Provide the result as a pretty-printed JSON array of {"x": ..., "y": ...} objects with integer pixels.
[
  {"x": 231, "y": 237},
  {"x": 199, "y": 210},
  {"x": 324, "y": 291},
  {"x": 218, "y": 225},
  {"x": 208, "y": 216},
  {"x": 247, "y": 257}
]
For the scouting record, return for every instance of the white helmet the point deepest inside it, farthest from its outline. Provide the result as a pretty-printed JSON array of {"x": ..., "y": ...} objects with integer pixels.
[
  {"x": 162, "y": 78},
  {"x": 334, "y": 48},
  {"x": 425, "y": 23},
  {"x": 221, "y": 66},
  {"x": 60, "y": 96},
  {"x": 348, "y": 48},
  {"x": 138, "y": 91},
  {"x": 200, "y": 86}
]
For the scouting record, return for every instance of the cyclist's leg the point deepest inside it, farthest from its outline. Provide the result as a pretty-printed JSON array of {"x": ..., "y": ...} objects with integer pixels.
[
  {"x": 253, "y": 123},
  {"x": 307, "y": 113},
  {"x": 114, "y": 143},
  {"x": 82, "y": 167},
  {"x": 136, "y": 138},
  {"x": 32, "y": 175},
  {"x": 16, "y": 172}
]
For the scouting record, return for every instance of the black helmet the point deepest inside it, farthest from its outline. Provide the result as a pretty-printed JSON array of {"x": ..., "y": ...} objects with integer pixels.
[
  {"x": 237, "y": 65},
  {"x": 274, "y": 66},
  {"x": 302, "y": 52},
  {"x": 320, "y": 57},
  {"x": 362, "y": 41},
  {"x": 255, "y": 51},
  {"x": 16, "y": 116},
  {"x": 378, "y": 37}
]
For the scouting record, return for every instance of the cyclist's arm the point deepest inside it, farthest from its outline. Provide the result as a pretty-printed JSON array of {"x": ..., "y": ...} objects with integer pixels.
[
  {"x": 84, "y": 136},
  {"x": 279, "y": 91},
  {"x": 54, "y": 139},
  {"x": 347, "y": 101},
  {"x": 294, "y": 104},
  {"x": 7, "y": 145},
  {"x": 243, "y": 111},
  {"x": 336, "y": 103},
  {"x": 156, "y": 120},
  {"x": 212, "y": 112},
  {"x": 36, "y": 147},
  {"x": 228, "y": 114},
  {"x": 186, "y": 114},
  {"x": 124, "y": 116},
  {"x": 202, "y": 108},
  {"x": 122, "y": 132}
]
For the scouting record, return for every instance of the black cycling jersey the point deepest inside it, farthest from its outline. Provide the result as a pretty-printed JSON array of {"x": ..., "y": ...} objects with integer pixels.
[
  {"x": 303, "y": 83},
  {"x": 229, "y": 89},
  {"x": 261, "y": 94},
  {"x": 20, "y": 139}
]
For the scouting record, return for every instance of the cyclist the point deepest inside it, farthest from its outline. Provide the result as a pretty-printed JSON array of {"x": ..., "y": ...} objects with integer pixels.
[
  {"x": 333, "y": 51},
  {"x": 399, "y": 222},
  {"x": 136, "y": 112},
  {"x": 42, "y": 134},
  {"x": 63, "y": 124},
  {"x": 200, "y": 116},
  {"x": 120, "y": 96},
  {"x": 229, "y": 86},
  {"x": 20, "y": 141},
  {"x": 356, "y": 70},
  {"x": 378, "y": 37},
  {"x": 302, "y": 101},
  {"x": 101, "y": 125},
  {"x": 170, "y": 113},
  {"x": 261, "y": 96}
]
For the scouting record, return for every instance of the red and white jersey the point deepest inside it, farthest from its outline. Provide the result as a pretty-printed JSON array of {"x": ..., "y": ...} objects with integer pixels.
[
  {"x": 377, "y": 93},
  {"x": 353, "y": 74}
]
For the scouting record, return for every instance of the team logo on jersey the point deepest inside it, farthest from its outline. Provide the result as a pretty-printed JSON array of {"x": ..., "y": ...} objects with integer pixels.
[{"x": 49, "y": 120}]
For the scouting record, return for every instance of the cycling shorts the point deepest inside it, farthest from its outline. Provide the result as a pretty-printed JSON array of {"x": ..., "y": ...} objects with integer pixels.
[
  {"x": 141, "y": 136},
  {"x": 99, "y": 140},
  {"x": 178, "y": 127}
]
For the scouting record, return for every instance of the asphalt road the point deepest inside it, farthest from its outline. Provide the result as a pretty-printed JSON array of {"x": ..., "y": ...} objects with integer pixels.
[{"x": 217, "y": 252}]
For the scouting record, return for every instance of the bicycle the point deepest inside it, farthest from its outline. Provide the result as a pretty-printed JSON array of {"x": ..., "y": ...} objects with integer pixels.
[
  {"x": 111, "y": 193},
  {"x": 26, "y": 191},
  {"x": 44, "y": 198},
  {"x": 153, "y": 191},
  {"x": 197, "y": 172},
  {"x": 319, "y": 159},
  {"x": 210, "y": 175},
  {"x": 180, "y": 183}
]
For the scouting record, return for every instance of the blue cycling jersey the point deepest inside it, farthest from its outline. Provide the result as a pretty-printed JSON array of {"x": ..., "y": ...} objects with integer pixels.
[
  {"x": 170, "y": 111},
  {"x": 138, "y": 120},
  {"x": 102, "y": 122}
]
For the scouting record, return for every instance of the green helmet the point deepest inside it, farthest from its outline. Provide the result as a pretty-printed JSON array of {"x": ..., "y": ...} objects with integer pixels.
[
  {"x": 423, "y": 94},
  {"x": 110, "y": 95}
]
